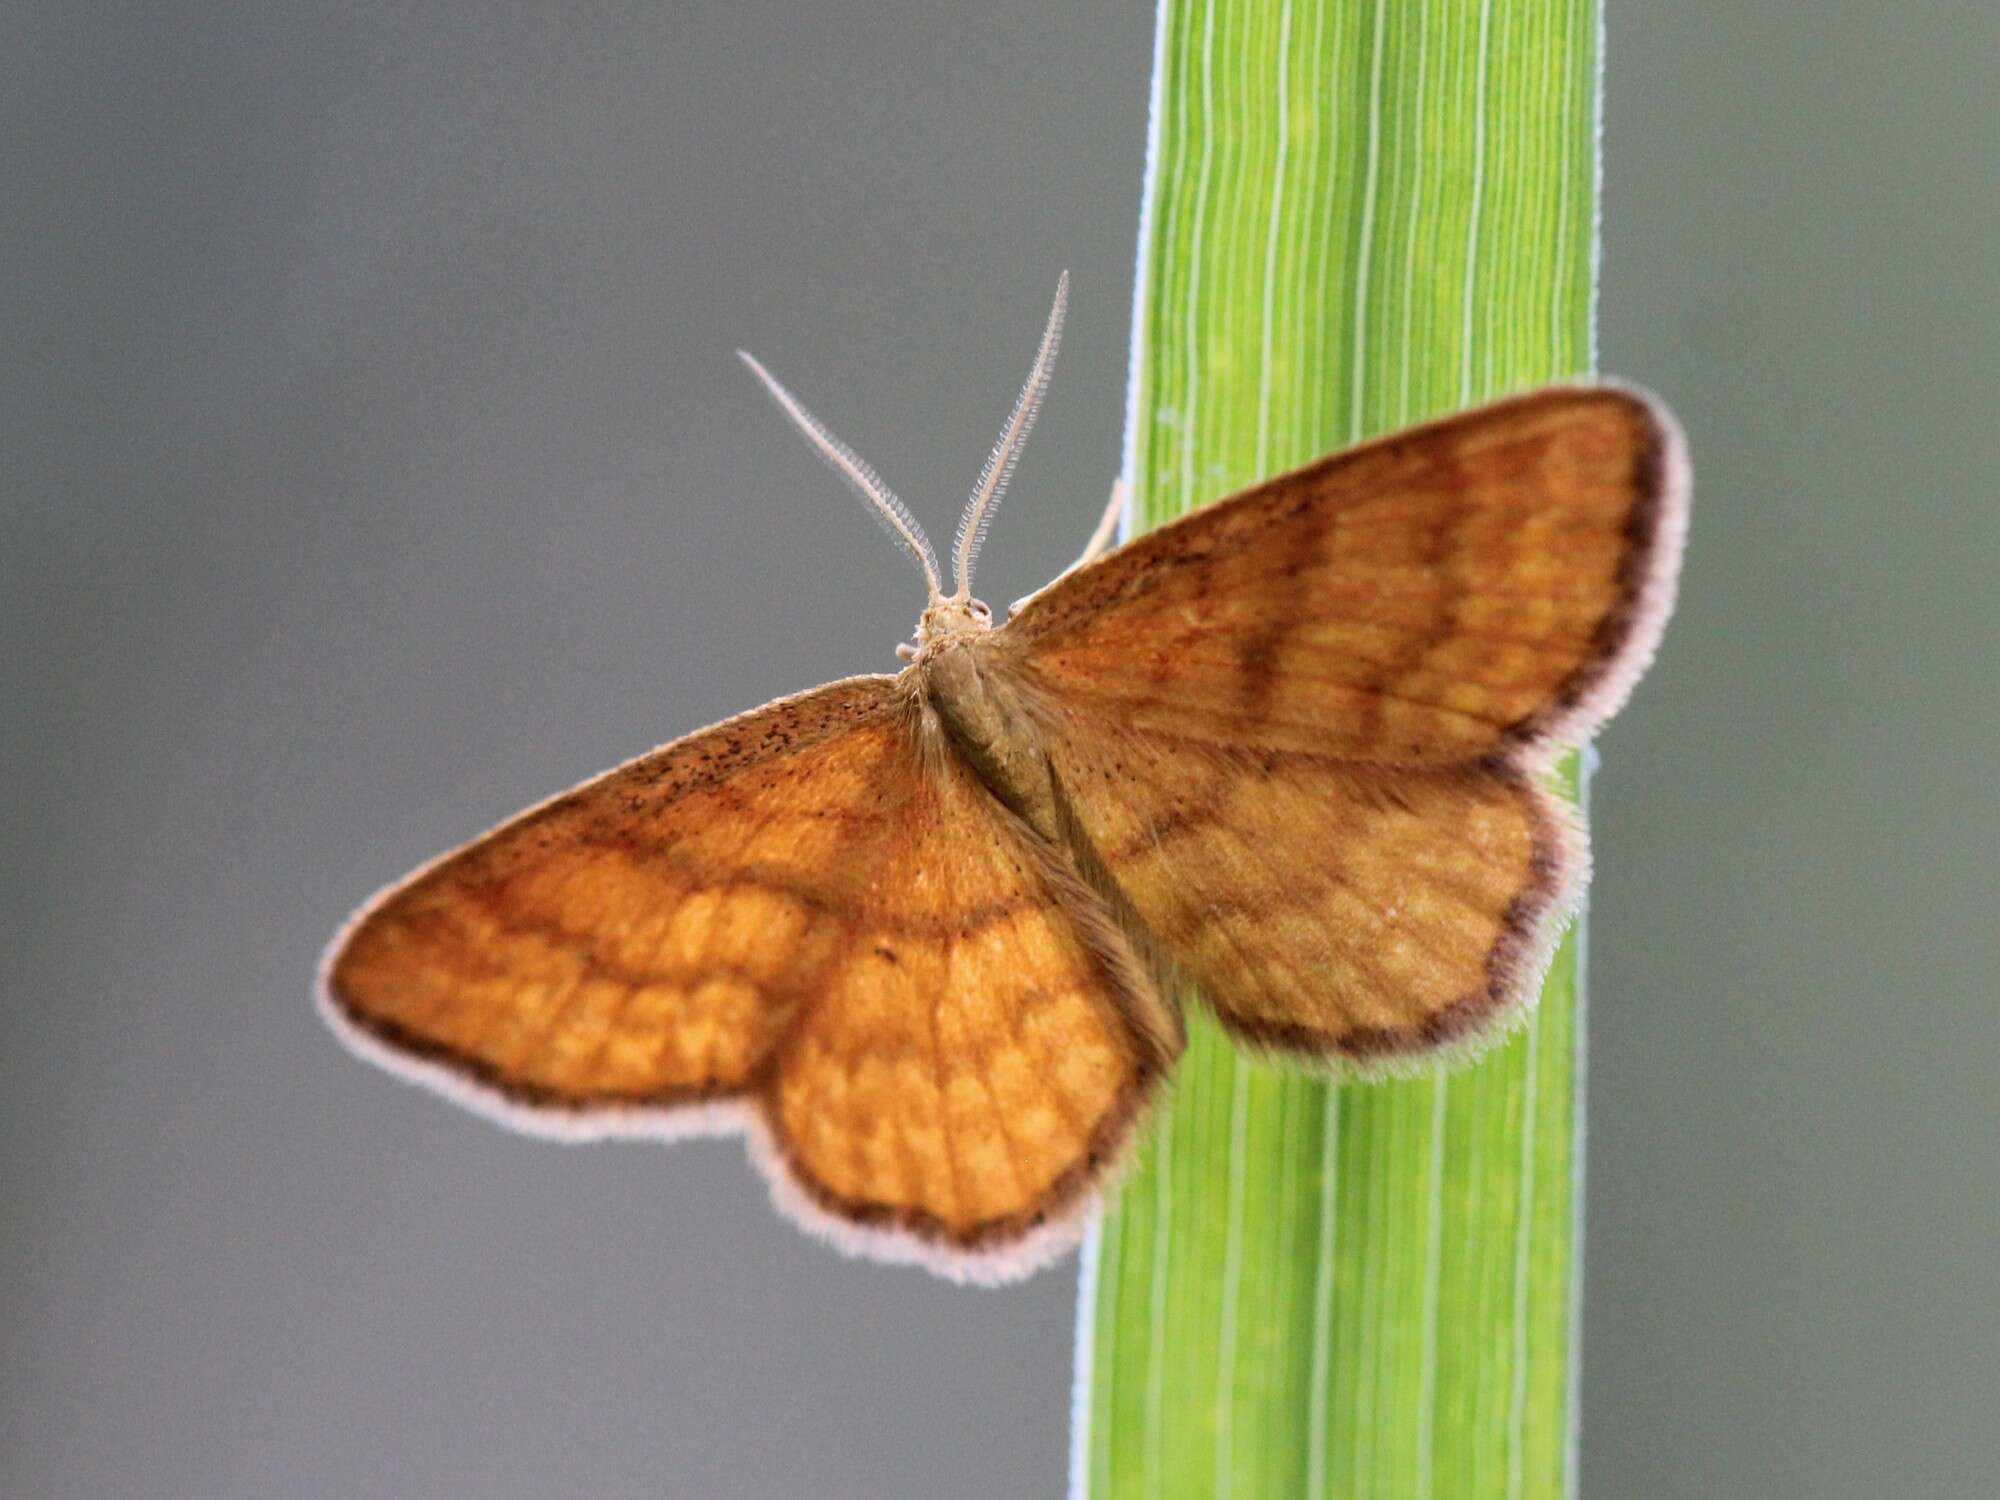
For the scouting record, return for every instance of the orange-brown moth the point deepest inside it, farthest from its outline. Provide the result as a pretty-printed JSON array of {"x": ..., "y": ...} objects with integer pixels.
[{"x": 924, "y": 936}]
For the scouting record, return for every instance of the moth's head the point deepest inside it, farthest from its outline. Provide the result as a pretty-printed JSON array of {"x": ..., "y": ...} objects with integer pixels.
[
  {"x": 952, "y": 615},
  {"x": 949, "y": 618}
]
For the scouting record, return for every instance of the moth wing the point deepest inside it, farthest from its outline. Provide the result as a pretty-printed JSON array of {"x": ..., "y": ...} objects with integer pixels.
[
  {"x": 1301, "y": 728},
  {"x": 797, "y": 923},
  {"x": 1338, "y": 911},
  {"x": 1489, "y": 582}
]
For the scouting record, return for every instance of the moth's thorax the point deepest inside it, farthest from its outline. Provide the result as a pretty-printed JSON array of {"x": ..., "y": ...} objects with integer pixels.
[{"x": 971, "y": 681}]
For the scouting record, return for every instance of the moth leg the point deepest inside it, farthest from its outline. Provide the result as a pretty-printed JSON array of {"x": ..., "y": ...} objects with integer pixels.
[
  {"x": 1107, "y": 526},
  {"x": 1099, "y": 543}
]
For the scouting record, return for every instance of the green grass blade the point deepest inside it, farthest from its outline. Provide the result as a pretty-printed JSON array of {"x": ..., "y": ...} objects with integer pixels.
[{"x": 1358, "y": 214}]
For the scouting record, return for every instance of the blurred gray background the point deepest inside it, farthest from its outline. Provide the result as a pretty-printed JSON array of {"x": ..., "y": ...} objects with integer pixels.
[{"x": 375, "y": 462}]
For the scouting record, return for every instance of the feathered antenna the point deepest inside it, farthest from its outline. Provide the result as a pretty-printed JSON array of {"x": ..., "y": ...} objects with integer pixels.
[
  {"x": 844, "y": 461},
  {"x": 979, "y": 510}
]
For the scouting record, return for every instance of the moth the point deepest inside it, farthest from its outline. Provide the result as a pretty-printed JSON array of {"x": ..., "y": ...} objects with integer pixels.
[{"x": 926, "y": 938}]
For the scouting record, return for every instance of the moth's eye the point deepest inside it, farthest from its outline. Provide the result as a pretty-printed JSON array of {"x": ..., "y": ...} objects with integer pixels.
[{"x": 980, "y": 611}]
